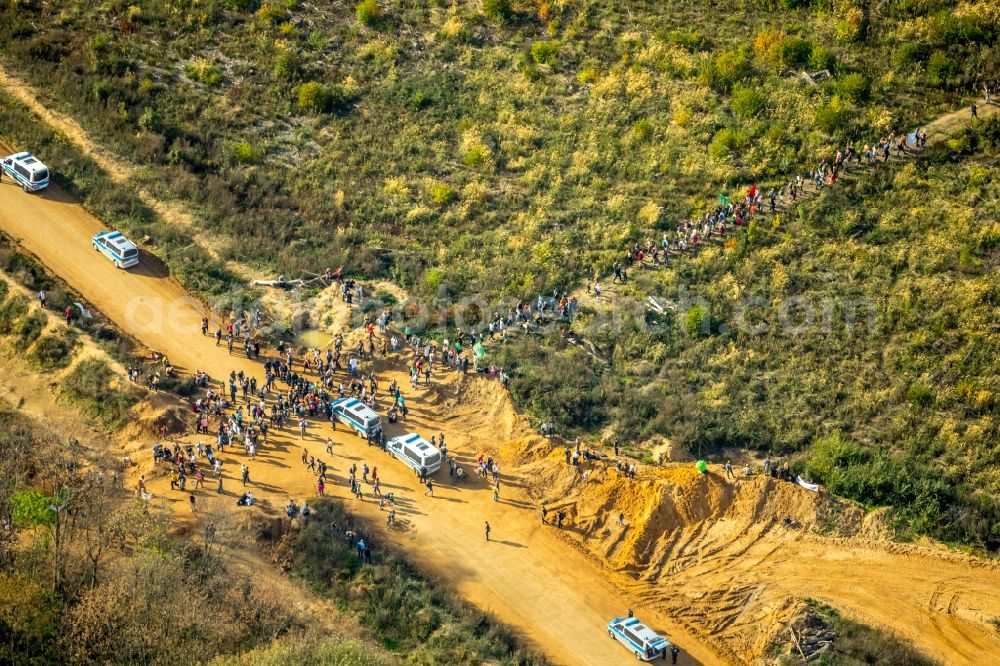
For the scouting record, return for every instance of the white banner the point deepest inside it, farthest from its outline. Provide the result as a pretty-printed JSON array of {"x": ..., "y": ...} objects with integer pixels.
[{"x": 808, "y": 486}]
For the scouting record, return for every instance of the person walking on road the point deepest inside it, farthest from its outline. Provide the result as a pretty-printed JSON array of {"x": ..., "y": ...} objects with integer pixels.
[
  {"x": 674, "y": 651},
  {"x": 41, "y": 299},
  {"x": 487, "y": 530}
]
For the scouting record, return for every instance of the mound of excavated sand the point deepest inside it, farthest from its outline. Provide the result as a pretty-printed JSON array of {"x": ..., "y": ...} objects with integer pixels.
[
  {"x": 159, "y": 410},
  {"x": 656, "y": 522}
]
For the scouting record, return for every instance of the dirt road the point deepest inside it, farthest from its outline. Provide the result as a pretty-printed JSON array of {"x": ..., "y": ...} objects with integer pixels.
[{"x": 551, "y": 594}]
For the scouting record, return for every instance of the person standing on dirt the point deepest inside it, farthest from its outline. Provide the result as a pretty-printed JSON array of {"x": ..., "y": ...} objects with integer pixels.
[
  {"x": 218, "y": 336},
  {"x": 219, "y": 489},
  {"x": 41, "y": 299},
  {"x": 430, "y": 488},
  {"x": 487, "y": 530},
  {"x": 204, "y": 325},
  {"x": 545, "y": 513},
  {"x": 246, "y": 474},
  {"x": 729, "y": 470},
  {"x": 975, "y": 111}
]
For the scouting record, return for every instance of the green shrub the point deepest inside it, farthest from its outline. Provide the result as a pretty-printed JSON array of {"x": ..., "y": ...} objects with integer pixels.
[
  {"x": 53, "y": 352},
  {"x": 642, "y": 130},
  {"x": 697, "y": 321},
  {"x": 727, "y": 68},
  {"x": 911, "y": 52},
  {"x": 287, "y": 65},
  {"x": 941, "y": 70},
  {"x": 443, "y": 194},
  {"x": 314, "y": 97},
  {"x": 204, "y": 71},
  {"x": 476, "y": 156},
  {"x": 544, "y": 53},
  {"x": 832, "y": 452},
  {"x": 920, "y": 394},
  {"x": 822, "y": 58},
  {"x": 499, "y": 11},
  {"x": 10, "y": 311},
  {"x": 368, "y": 12},
  {"x": 746, "y": 102},
  {"x": 241, "y": 152},
  {"x": 854, "y": 87},
  {"x": 27, "y": 329},
  {"x": 691, "y": 40},
  {"x": 727, "y": 141},
  {"x": 833, "y": 115},
  {"x": 795, "y": 51}
]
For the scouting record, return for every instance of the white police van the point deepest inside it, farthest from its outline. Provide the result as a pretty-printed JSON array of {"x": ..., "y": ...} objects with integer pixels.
[
  {"x": 116, "y": 247},
  {"x": 644, "y": 643},
  {"x": 27, "y": 170},
  {"x": 415, "y": 452},
  {"x": 358, "y": 416}
]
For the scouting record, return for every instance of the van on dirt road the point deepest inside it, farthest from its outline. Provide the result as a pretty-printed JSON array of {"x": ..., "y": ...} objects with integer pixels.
[
  {"x": 415, "y": 452},
  {"x": 116, "y": 247},
  {"x": 644, "y": 643},
  {"x": 27, "y": 170},
  {"x": 358, "y": 416}
]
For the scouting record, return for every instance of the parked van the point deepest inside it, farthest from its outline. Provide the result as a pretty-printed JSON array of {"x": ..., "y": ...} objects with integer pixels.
[
  {"x": 27, "y": 170},
  {"x": 416, "y": 452},
  {"x": 357, "y": 415},
  {"x": 117, "y": 248},
  {"x": 644, "y": 643}
]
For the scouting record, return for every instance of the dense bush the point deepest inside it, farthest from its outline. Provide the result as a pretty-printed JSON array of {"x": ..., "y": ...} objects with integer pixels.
[
  {"x": 53, "y": 352},
  {"x": 500, "y": 11},
  {"x": 368, "y": 12}
]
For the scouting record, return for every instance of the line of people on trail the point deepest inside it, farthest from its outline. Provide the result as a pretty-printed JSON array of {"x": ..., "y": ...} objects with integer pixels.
[{"x": 728, "y": 216}]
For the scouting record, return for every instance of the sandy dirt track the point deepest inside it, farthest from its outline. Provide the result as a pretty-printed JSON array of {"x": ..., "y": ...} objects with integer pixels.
[{"x": 554, "y": 596}]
